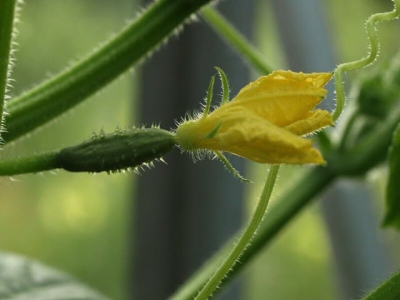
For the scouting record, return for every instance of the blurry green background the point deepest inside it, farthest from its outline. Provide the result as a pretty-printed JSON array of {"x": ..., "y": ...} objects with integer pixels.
[{"x": 80, "y": 223}]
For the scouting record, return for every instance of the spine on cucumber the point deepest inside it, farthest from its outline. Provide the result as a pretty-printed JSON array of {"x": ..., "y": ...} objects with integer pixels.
[{"x": 121, "y": 150}]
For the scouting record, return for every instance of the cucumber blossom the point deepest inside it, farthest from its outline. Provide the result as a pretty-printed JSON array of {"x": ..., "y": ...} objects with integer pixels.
[{"x": 121, "y": 150}]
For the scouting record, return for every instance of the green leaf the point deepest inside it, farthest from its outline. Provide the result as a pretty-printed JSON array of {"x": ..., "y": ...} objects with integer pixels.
[
  {"x": 389, "y": 290},
  {"x": 21, "y": 278},
  {"x": 392, "y": 217}
]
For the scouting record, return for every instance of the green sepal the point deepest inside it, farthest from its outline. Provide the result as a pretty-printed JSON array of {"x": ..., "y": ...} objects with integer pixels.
[
  {"x": 224, "y": 85},
  {"x": 392, "y": 216},
  {"x": 122, "y": 150},
  {"x": 209, "y": 97},
  {"x": 230, "y": 167},
  {"x": 213, "y": 132}
]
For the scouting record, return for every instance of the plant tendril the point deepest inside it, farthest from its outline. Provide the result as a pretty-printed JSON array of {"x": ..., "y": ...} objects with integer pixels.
[{"x": 369, "y": 59}]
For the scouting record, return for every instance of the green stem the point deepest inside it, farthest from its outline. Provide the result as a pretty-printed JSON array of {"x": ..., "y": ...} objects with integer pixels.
[
  {"x": 30, "y": 164},
  {"x": 389, "y": 290},
  {"x": 57, "y": 95},
  {"x": 288, "y": 205},
  {"x": 245, "y": 239},
  {"x": 235, "y": 39},
  {"x": 7, "y": 15},
  {"x": 369, "y": 59}
]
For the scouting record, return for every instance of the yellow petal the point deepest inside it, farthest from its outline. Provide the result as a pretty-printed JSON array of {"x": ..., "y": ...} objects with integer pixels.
[
  {"x": 317, "y": 119},
  {"x": 282, "y": 97},
  {"x": 263, "y": 142}
]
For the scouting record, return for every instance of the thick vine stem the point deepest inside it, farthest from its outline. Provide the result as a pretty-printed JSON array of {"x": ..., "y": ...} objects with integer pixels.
[
  {"x": 7, "y": 20},
  {"x": 130, "y": 46},
  {"x": 245, "y": 239},
  {"x": 369, "y": 59}
]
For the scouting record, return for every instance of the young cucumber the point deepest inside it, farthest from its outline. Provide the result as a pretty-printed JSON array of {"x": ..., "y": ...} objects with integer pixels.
[{"x": 122, "y": 150}]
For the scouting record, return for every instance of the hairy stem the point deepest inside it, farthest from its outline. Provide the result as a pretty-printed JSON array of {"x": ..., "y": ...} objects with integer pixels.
[
  {"x": 7, "y": 15},
  {"x": 245, "y": 239}
]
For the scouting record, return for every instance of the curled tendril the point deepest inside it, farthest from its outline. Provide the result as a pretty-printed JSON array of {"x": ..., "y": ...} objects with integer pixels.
[{"x": 369, "y": 59}]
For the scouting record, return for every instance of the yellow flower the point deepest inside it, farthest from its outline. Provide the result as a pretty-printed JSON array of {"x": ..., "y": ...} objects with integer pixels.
[{"x": 265, "y": 122}]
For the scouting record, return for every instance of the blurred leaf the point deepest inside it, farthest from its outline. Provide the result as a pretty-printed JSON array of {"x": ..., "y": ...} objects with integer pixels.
[
  {"x": 21, "y": 278},
  {"x": 392, "y": 217}
]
